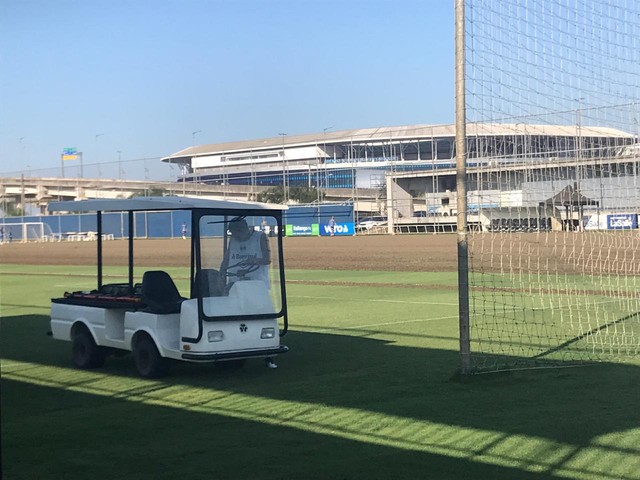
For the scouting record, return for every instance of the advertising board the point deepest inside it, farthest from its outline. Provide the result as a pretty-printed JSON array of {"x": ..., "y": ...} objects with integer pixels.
[
  {"x": 622, "y": 221},
  {"x": 341, "y": 228},
  {"x": 301, "y": 230}
]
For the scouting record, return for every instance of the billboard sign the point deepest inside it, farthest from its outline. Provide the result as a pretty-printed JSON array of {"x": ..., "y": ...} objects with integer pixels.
[
  {"x": 622, "y": 221},
  {"x": 301, "y": 230},
  {"x": 345, "y": 228}
]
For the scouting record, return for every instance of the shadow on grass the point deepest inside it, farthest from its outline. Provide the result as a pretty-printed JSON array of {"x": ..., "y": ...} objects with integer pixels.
[
  {"x": 118, "y": 439},
  {"x": 569, "y": 406}
]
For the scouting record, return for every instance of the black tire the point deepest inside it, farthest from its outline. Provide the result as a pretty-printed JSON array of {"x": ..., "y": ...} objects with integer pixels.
[
  {"x": 148, "y": 361},
  {"x": 84, "y": 351}
]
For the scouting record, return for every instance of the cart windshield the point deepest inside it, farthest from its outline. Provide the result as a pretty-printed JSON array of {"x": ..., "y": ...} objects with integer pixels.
[{"x": 240, "y": 265}]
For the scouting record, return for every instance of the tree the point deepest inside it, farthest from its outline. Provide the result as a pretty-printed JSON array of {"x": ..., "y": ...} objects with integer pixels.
[
  {"x": 271, "y": 195},
  {"x": 151, "y": 192},
  {"x": 13, "y": 210},
  {"x": 297, "y": 194},
  {"x": 305, "y": 194}
]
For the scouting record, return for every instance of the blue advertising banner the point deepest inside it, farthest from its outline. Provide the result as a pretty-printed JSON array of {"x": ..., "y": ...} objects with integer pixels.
[
  {"x": 342, "y": 228},
  {"x": 622, "y": 221}
]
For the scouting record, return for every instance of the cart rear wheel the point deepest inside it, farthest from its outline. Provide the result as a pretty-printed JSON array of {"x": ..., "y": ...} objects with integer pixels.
[
  {"x": 149, "y": 362},
  {"x": 84, "y": 351}
]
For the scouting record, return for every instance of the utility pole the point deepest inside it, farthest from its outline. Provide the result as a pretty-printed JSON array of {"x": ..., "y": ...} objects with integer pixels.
[
  {"x": 95, "y": 138},
  {"x": 193, "y": 144},
  {"x": 285, "y": 189},
  {"x": 22, "y": 199},
  {"x": 324, "y": 151}
]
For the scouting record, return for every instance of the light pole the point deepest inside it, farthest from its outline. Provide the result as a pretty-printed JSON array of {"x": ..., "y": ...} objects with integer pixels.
[
  {"x": 183, "y": 170},
  {"x": 285, "y": 193},
  {"x": 119, "y": 165},
  {"x": 324, "y": 151},
  {"x": 193, "y": 144},
  {"x": 525, "y": 164},
  {"x": 22, "y": 154},
  {"x": 578, "y": 141},
  {"x": 95, "y": 139},
  {"x": 22, "y": 149}
]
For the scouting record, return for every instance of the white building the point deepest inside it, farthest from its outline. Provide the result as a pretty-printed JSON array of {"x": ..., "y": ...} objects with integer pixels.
[{"x": 362, "y": 157}]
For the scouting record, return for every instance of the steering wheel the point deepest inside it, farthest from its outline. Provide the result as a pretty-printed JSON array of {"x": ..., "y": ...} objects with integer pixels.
[{"x": 242, "y": 269}]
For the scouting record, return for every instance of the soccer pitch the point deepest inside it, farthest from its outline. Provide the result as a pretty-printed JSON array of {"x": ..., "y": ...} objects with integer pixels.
[{"x": 365, "y": 392}]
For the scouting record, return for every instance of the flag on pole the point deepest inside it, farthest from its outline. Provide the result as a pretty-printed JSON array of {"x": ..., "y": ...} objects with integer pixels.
[{"x": 69, "y": 154}]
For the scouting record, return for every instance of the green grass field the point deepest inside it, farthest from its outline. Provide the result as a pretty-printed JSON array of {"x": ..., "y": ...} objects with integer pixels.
[{"x": 365, "y": 393}]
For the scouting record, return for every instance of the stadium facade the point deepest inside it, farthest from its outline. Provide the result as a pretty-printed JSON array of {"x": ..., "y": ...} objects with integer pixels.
[{"x": 361, "y": 158}]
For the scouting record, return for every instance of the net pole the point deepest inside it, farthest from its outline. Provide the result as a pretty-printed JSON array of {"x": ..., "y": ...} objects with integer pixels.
[{"x": 461, "y": 187}]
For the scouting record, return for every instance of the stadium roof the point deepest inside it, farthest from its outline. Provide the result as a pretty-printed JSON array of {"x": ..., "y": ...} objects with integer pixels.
[
  {"x": 386, "y": 134},
  {"x": 155, "y": 203}
]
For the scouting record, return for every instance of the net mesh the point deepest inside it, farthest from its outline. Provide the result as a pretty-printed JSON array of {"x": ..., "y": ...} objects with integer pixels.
[
  {"x": 23, "y": 232},
  {"x": 553, "y": 190}
]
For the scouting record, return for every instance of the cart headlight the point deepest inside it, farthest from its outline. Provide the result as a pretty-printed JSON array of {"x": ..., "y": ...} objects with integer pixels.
[
  {"x": 268, "y": 332},
  {"x": 216, "y": 336}
]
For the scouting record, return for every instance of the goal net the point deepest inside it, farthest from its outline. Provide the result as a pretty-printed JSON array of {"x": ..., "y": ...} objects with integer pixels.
[
  {"x": 553, "y": 187},
  {"x": 24, "y": 232}
]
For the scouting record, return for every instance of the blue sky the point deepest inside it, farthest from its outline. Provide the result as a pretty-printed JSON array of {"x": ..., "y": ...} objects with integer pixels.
[{"x": 140, "y": 76}]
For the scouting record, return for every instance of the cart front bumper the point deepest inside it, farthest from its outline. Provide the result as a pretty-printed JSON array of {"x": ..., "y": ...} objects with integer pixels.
[{"x": 216, "y": 357}]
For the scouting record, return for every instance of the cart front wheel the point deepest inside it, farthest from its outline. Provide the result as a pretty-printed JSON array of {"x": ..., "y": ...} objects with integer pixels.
[{"x": 149, "y": 362}]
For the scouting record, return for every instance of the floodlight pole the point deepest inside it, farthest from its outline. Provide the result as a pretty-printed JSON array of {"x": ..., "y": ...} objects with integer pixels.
[
  {"x": 285, "y": 190},
  {"x": 193, "y": 144},
  {"x": 461, "y": 187}
]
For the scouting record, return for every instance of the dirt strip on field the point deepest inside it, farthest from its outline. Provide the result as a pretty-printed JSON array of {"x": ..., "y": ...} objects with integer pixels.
[
  {"x": 584, "y": 253},
  {"x": 410, "y": 253}
]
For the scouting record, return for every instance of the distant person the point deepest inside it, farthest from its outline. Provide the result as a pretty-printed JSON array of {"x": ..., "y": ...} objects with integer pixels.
[
  {"x": 184, "y": 230},
  {"x": 332, "y": 226},
  {"x": 248, "y": 257},
  {"x": 248, "y": 250},
  {"x": 1, "y": 235},
  {"x": 266, "y": 228}
]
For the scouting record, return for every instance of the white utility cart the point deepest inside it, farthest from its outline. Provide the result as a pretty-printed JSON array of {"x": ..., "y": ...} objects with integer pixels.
[{"x": 235, "y": 308}]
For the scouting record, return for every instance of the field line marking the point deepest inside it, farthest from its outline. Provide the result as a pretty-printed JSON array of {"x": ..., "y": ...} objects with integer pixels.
[
  {"x": 371, "y": 325},
  {"x": 381, "y": 300}
]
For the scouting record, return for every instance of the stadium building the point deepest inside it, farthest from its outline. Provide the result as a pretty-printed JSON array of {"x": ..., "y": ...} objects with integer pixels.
[
  {"x": 510, "y": 166},
  {"x": 361, "y": 158}
]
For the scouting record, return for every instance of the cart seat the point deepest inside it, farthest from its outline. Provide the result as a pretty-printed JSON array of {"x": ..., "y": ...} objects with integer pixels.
[
  {"x": 207, "y": 283},
  {"x": 159, "y": 293}
]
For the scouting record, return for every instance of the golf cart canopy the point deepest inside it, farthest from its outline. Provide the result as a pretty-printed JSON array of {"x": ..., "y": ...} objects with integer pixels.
[{"x": 155, "y": 203}]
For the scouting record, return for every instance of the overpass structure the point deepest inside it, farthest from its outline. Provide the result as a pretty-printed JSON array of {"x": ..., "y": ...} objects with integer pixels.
[{"x": 38, "y": 192}]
